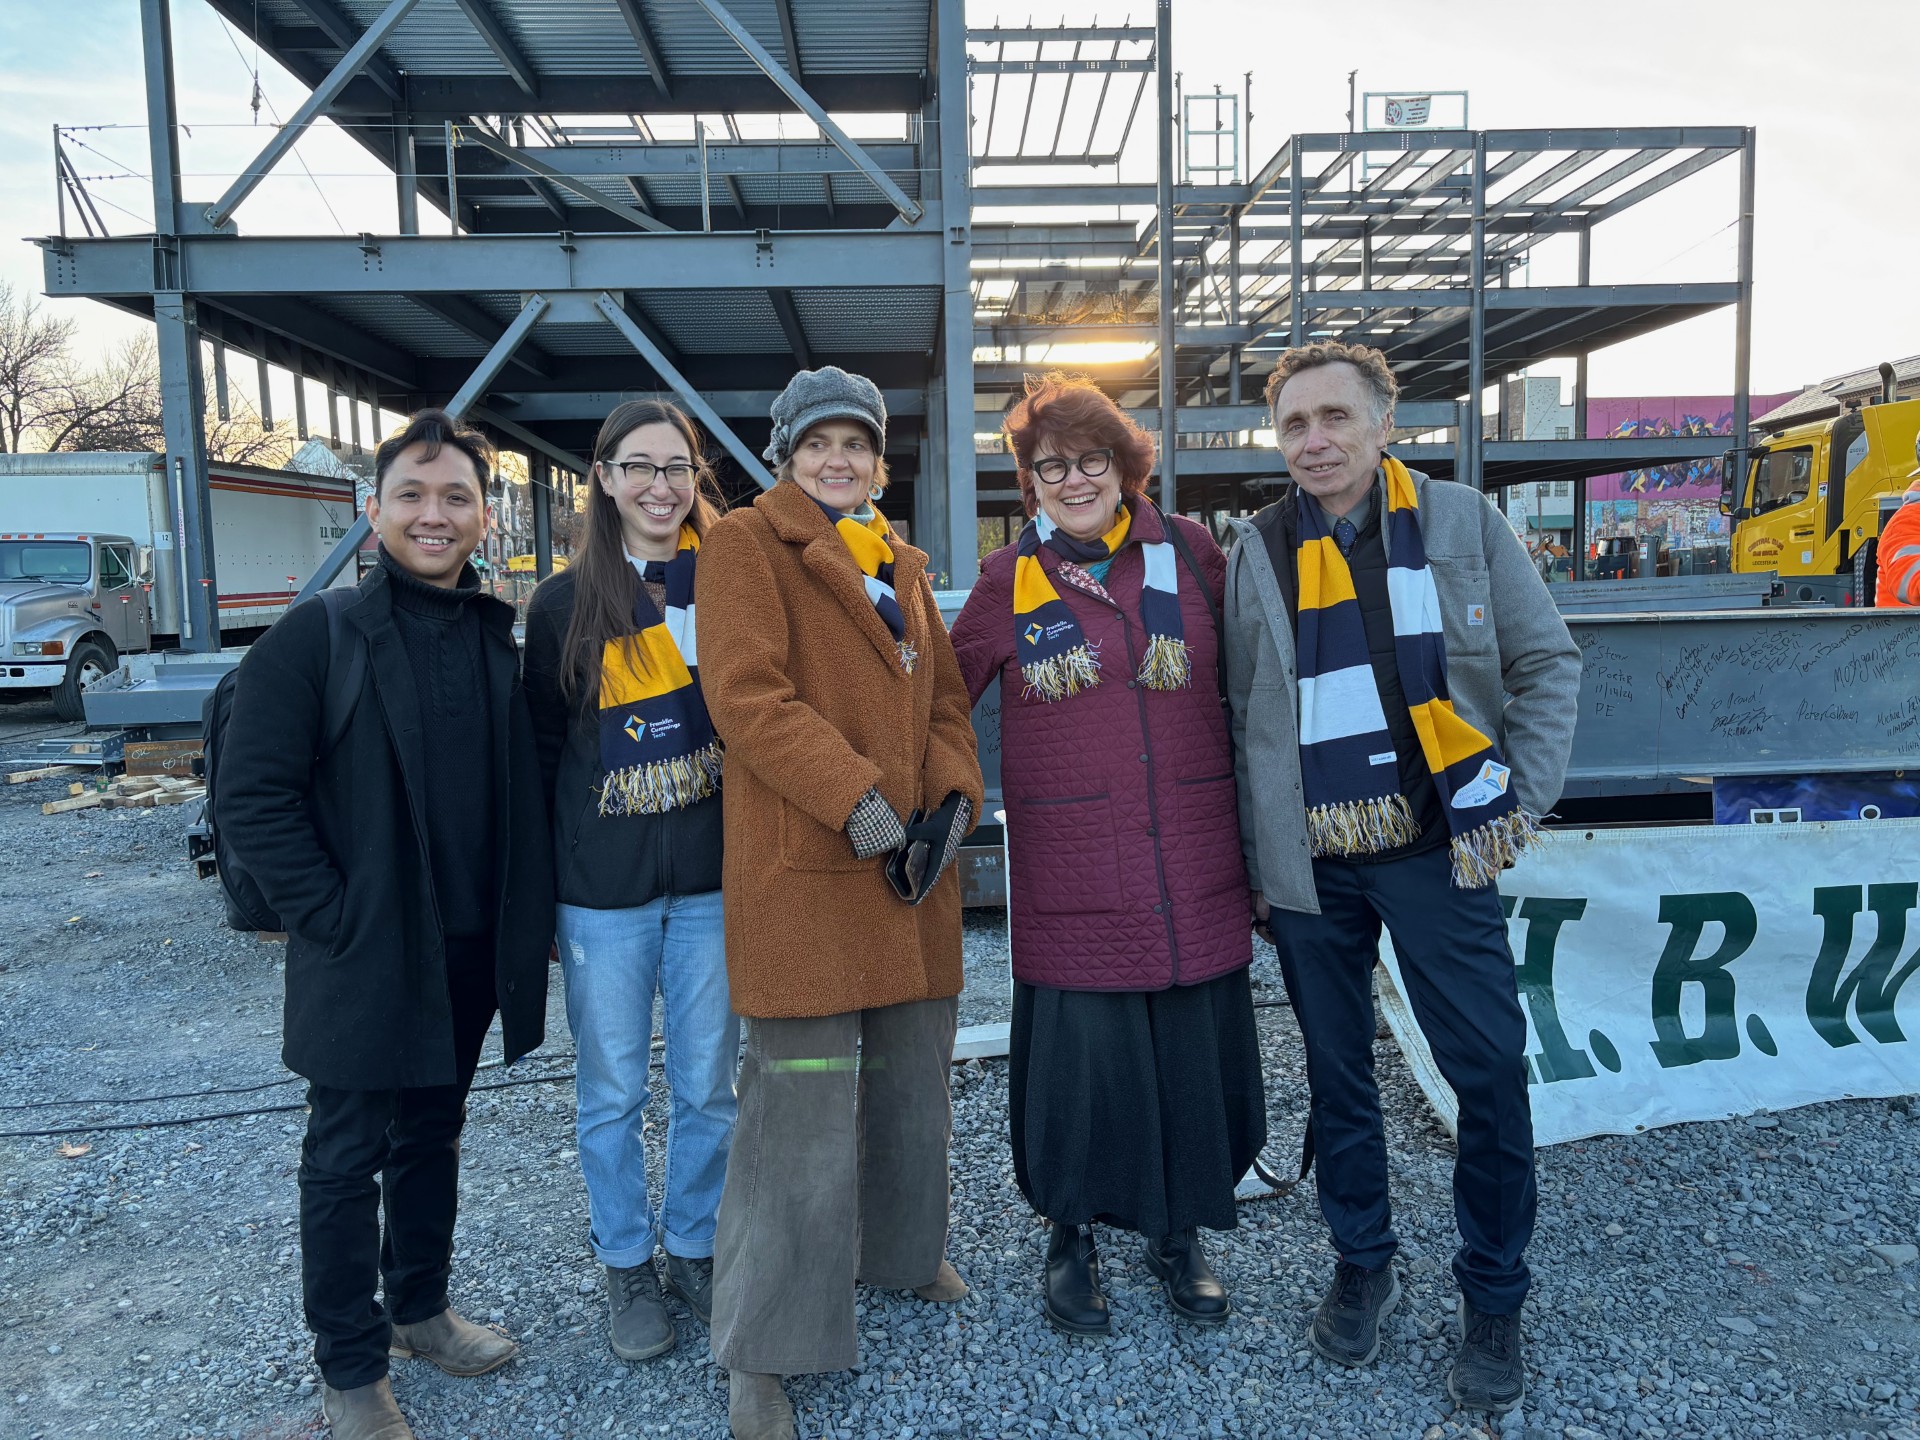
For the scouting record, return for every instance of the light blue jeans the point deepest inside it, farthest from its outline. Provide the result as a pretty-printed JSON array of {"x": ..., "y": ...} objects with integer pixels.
[{"x": 614, "y": 961}]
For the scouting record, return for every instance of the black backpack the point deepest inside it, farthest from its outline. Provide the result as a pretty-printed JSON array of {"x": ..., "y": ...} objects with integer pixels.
[{"x": 247, "y": 908}]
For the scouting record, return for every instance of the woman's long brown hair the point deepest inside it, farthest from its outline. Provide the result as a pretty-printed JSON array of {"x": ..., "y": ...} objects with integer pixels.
[{"x": 604, "y": 583}]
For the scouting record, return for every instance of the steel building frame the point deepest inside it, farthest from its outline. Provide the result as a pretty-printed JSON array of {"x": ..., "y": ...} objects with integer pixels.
[{"x": 594, "y": 256}]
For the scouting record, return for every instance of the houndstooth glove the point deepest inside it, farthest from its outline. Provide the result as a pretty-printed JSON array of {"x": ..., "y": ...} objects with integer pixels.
[
  {"x": 962, "y": 823},
  {"x": 874, "y": 827}
]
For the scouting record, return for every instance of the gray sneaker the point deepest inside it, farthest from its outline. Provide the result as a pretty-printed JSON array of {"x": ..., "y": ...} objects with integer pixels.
[
  {"x": 1346, "y": 1326},
  {"x": 640, "y": 1328},
  {"x": 692, "y": 1281}
]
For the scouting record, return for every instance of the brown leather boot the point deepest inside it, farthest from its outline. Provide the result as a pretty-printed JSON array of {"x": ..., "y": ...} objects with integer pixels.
[
  {"x": 366, "y": 1412},
  {"x": 757, "y": 1408},
  {"x": 457, "y": 1346},
  {"x": 946, "y": 1288}
]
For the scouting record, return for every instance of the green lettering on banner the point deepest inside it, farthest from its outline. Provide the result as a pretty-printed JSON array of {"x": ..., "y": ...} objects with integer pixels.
[
  {"x": 1680, "y": 966},
  {"x": 1874, "y": 987},
  {"x": 1558, "y": 1059}
]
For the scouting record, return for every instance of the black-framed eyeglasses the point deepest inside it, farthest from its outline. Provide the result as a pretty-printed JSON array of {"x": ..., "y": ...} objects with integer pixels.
[
  {"x": 1055, "y": 468},
  {"x": 641, "y": 472}
]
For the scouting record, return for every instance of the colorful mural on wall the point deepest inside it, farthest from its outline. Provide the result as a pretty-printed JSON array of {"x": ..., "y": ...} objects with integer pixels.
[{"x": 1628, "y": 417}]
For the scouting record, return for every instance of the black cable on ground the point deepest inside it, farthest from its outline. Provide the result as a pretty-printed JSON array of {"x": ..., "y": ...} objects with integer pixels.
[
  {"x": 151, "y": 1099},
  {"x": 240, "y": 1114}
]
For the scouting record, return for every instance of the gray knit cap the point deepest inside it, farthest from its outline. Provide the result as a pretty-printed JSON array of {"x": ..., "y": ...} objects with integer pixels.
[{"x": 828, "y": 393}]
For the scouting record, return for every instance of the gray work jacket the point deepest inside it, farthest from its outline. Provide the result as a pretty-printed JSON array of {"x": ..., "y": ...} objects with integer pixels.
[{"x": 1513, "y": 672}]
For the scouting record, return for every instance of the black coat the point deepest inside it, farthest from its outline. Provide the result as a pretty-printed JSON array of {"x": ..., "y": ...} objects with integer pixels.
[
  {"x": 338, "y": 844},
  {"x": 604, "y": 862}
]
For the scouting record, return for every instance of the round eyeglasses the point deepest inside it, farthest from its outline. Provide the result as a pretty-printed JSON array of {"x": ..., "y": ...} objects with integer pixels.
[
  {"x": 1054, "y": 469},
  {"x": 679, "y": 476}
]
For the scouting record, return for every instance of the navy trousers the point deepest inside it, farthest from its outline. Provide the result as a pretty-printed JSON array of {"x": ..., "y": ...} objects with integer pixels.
[{"x": 1460, "y": 981}]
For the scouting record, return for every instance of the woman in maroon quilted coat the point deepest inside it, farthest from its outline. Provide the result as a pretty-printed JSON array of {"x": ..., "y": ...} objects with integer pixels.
[{"x": 1136, "y": 1097}]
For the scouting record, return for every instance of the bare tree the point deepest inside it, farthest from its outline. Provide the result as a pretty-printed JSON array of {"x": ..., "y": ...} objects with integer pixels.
[
  {"x": 115, "y": 406},
  {"x": 35, "y": 368}
]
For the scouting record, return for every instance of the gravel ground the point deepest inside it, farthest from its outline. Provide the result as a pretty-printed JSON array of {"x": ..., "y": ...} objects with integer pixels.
[{"x": 1708, "y": 1280}]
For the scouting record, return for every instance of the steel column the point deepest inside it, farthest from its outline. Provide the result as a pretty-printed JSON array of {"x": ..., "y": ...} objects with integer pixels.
[
  {"x": 1296, "y": 241},
  {"x": 406, "y": 173},
  {"x": 1743, "y": 319},
  {"x": 1163, "y": 241},
  {"x": 791, "y": 87},
  {"x": 960, "y": 564},
  {"x": 540, "y": 491},
  {"x": 183, "y": 403},
  {"x": 1581, "y": 525},
  {"x": 315, "y": 104},
  {"x": 681, "y": 386},
  {"x": 1477, "y": 321},
  {"x": 156, "y": 36}
]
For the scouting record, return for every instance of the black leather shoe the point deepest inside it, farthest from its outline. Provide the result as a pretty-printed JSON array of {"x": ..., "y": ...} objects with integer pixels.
[
  {"x": 1071, "y": 1295},
  {"x": 1346, "y": 1325},
  {"x": 1490, "y": 1372},
  {"x": 1193, "y": 1290}
]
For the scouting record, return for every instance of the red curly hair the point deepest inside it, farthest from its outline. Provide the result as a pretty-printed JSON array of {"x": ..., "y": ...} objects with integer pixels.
[{"x": 1075, "y": 416}]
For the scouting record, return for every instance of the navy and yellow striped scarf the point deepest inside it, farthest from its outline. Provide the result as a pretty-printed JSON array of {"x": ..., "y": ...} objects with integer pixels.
[
  {"x": 868, "y": 538},
  {"x": 1056, "y": 659},
  {"x": 657, "y": 744},
  {"x": 1347, "y": 759}
]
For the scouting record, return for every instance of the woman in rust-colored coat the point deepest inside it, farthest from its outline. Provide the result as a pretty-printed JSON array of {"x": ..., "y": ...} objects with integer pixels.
[{"x": 831, "y": 680}]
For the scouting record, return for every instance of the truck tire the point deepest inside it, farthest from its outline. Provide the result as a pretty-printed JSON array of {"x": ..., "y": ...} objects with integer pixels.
[
  {"x": 1866, "y": 574},
  {"x": 89, "y": 662}
]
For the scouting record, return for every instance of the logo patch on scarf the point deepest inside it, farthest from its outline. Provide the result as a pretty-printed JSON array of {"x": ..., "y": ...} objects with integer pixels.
[
  {"x": 1034, "y": 632},
  {"x": 1485, "y": 788}
]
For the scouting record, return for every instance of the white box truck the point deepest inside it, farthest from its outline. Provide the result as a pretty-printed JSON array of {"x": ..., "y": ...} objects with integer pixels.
[{"x": 90, "y": 560}]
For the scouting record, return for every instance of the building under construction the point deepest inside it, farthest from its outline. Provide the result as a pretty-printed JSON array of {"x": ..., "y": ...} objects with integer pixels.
[{"x": 621, "y": 225}]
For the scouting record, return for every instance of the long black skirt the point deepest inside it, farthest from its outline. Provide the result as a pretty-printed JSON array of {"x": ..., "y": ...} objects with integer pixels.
[{"x": 1136, "y": 1109}]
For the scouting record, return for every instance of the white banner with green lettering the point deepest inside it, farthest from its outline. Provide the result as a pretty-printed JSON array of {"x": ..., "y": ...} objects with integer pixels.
[{"x": 1699, "y": 972}]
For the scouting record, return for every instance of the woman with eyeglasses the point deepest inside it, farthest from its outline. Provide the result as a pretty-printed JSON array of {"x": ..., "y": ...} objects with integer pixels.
[
  {"x": 851, "y": 779},
  {"x": 633, "y": 766},
  {"x": 1135, "y": 1097}
]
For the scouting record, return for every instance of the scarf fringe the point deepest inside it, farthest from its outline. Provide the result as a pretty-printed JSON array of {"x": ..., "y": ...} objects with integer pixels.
[
  {"x": 1483, "y": 852},
  {"x": 662, "y": 785},
  {"x": 1168, "y": 664},
  {"x": 1362, "y": 827},
  {"x": 909, "y": 657},
  {"x": 1064, "y": 675}
]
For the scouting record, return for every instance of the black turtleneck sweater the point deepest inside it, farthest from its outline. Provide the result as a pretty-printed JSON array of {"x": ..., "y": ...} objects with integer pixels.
[{"x": 440, "y": 628}]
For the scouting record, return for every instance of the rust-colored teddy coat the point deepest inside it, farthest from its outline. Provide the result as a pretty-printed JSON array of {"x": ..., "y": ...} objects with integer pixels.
[{"x": 805, "y": 687}]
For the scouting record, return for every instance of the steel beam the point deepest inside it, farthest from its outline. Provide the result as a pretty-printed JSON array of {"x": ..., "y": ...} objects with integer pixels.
[
  {"x": 898, "y": 198},
  {"x": 789, "y": 39},
  {"x": 649, "y": 48},
  {"x": 1583, "y": 276},
  {"x": 496, "y": 358},
  {"x": 535, "y": 443},
  {"x": 156, "y": 35},
  {"x": 183, "y": 405},
  {"x": 470, "y": 320},
  {"x": 789, "y": 317},
  {"x": 540, "y": 407},
  {"x": 637, "y": 218},
  {"x": 616, "y": 313},
  {"x": 341, "y": 33},
  {"x": 305, "y": 324},
  {"x": 303, "y": 265},
  {"x": 1477, "y": 319},
  {"x": 540, "y": 487},
  {"x": 1743, "y": 318},
  {"x": 310, "y": 110},
  {"x": 480, "y": 15}
]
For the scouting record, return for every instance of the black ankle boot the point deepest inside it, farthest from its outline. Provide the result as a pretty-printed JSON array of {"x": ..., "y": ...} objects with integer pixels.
[
  {"x": 1073, "y": 1301},
  {"x": 1193, "y": 1290}
]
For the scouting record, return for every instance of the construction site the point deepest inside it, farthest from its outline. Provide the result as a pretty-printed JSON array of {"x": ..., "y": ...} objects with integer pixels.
[{"x": 592, "y": 202}]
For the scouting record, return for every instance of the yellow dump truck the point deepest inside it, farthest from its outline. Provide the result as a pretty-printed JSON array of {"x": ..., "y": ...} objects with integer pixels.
[{"x": 1809, "y": 503}]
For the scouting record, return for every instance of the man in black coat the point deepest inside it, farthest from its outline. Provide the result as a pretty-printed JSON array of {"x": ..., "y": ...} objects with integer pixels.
[{"x": 412, "y": 869}]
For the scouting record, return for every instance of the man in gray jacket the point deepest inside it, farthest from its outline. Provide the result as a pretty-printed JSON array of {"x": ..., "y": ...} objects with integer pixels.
[{"x": 1403, "y": 695}]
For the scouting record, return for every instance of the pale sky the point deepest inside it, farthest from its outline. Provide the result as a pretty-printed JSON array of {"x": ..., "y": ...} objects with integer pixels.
[{"x": 1838, "y": 203}]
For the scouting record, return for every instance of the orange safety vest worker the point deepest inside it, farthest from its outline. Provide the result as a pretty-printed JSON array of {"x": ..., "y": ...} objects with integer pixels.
[{"x": 1899, "y": 554}]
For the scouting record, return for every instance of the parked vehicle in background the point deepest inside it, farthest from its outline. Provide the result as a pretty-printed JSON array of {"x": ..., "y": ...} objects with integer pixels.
[
  {"x": 1809, "y": 504},
  {"x": 89, "y": 561}
]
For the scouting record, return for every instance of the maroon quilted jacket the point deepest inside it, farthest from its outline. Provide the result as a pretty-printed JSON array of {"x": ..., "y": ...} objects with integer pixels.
[{"x": 1122, "y": 831}]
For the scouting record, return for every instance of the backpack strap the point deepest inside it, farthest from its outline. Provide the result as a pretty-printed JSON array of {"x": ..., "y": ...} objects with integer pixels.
[
  {"x": 1206, "y": 593},
  {"x": 346, "y": 667}
]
